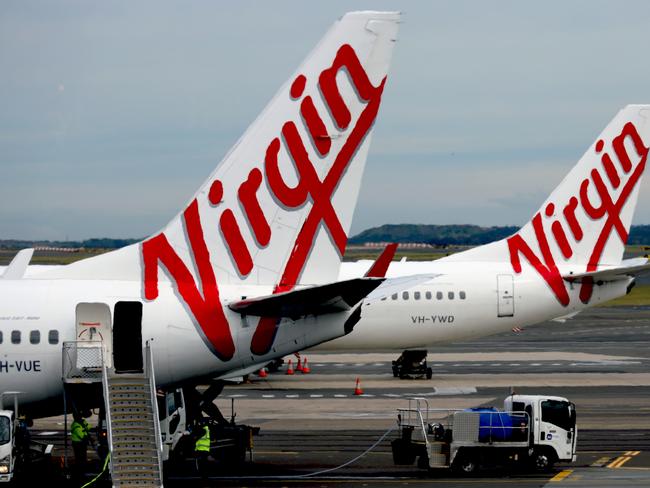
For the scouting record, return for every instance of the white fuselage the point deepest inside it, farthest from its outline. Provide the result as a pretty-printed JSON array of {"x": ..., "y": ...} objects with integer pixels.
[
  {"x": 34, "y": 366},
  {"x": 441, "y": 314}
]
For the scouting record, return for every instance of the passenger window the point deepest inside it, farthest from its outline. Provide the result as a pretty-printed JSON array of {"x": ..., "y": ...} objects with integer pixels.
[
  {"x": 461, "y": 295},
  {"x": 35, "y": 337},
  {"x": 394, "y": 296},
  {"x": 405, "y": 295},
  {"x": 428, "y": 295},
  {"x": 450, "y": 295},
  {"x": 416, "y": 295},
  {"x": 439, "y": 295},
  {"x": 15, "y": 337},
  {"x": 0, "y": 337},
  {"x": 383, "y": 299},
  {"x": 53, "y": 337}
]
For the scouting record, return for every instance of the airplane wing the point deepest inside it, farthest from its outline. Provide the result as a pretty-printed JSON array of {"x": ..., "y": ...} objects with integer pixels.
[
  {"x": 626, "y": 268},
  {"x": 397, "y": 285},
  {"x": 18, "y": 266},
  {"x": 315, "y": 300}
]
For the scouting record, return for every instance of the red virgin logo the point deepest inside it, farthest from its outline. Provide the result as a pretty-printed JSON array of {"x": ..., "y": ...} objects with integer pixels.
[
  {"x": 608, "y": 210},
  {"x": 204, "y": 303}
]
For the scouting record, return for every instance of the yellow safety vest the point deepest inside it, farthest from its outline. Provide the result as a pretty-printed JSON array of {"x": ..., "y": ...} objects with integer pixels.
[
  {"x": 203, "y": 444},
  {"x": 79, "y": 431}
]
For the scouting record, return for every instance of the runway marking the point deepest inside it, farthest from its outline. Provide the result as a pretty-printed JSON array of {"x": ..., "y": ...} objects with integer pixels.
[
  {"x": 561, "y": 475},
  {"x": 340, "y": 396},
  {"x": 292, "y": 396},
  {"x": 268, "y": 396},
  {"x": 536, "y": 364},
  {"x": 315, "y": 396},
  {"x": 514, "y": 364},
  {"x": 378, "y": 364},
  {"x": 237, "y": 395}
]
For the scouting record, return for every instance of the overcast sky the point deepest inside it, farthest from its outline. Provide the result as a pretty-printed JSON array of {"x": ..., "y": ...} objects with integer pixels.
[{"x": 113, "y": 113}]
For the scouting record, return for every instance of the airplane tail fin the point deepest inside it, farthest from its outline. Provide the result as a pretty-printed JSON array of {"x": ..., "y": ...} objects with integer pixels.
[
  {"x": 585, "y": 222},
  {"x": 278, "y": 208}
]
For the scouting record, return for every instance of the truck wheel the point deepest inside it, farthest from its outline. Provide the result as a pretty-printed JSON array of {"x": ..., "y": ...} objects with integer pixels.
[
  {"x": 395, "y": 373},
  {"x": 423, "y": 461},
  {"x": 429, "y": 373},
  {"x": 542, "y": 461},
  {"x": 466, "y": 465}
]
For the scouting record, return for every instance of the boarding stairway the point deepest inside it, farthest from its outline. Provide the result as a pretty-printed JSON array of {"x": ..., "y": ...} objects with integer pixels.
[
  {"x": 134, "y": 438},
  {"x": 132, "y": 426}
]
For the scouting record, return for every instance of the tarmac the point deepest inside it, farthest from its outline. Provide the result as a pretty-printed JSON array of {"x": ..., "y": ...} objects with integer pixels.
[{"x": 312, "y": 424}]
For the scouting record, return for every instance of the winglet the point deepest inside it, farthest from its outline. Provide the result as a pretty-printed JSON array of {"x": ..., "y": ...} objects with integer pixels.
[
  {"x": 18, "y": 266},
  {"x": 380, "y": 266}
]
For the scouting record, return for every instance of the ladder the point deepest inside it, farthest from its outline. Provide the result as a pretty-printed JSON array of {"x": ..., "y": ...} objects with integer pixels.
[{"x": 134, "y": 438}]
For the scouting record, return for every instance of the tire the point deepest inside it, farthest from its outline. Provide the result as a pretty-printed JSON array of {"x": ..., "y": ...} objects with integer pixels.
[
  {"x": 429, "y": 373},
  {"x": 466, "y": 465},
  {"x": 542, "y": 461},
  {"x": 395, "y": 373}
]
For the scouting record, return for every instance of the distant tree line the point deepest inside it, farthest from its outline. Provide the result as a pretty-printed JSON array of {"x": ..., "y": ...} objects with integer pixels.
[
  {"x": 459, "y": 235},
  {"x": 436, "y": 235},
  {"x": 95, "y": 243}
]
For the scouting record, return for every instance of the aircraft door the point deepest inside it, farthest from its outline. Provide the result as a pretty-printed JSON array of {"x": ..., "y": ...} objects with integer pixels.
[
  {"x": 93, "y": 326},
  {"x": 127, "y": 337},
  {"x": 505, "y": 296}
]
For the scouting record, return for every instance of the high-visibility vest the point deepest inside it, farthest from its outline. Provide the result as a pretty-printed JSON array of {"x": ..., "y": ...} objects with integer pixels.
[
  {"x": 79, "y": 430},
  {"x": 203, "y": 444}
]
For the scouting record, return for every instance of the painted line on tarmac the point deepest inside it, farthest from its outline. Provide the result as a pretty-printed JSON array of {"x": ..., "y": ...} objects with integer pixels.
[
  {"x": 600, "y": 462},
  {"x": 561, "y": 475},
  {"x": 621, "y": 460}
]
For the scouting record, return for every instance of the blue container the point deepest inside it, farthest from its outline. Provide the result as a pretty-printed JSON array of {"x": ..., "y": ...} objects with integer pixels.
[{"x": 494, "y": 426}]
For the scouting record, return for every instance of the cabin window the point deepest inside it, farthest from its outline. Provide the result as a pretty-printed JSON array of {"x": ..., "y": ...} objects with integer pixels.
[
  {"x": 15, "y": 337},
  {"x": 416, "y": 295},
  {"x": 394, "y": 296},
  {"x": 405, "y": 295},
  {"x": 439, "y": 295},
  {"x": 461, "y": 295},
  {"x": 53, "y": 337},
  {"x": 428, "y": 295},
  {"x": 450, "y": 295},
  {"x": 0, "y": 337},
  {"x": 35, "y": 337}
]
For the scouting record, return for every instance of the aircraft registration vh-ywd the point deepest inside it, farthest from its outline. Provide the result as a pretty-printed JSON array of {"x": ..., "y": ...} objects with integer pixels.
[
  {"x": 569, "y": 256},
  {"x": 247, "y": 271}
]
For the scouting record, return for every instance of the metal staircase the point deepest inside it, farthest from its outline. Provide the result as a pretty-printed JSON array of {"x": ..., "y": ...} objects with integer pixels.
[{"x": 133, "y": 429}]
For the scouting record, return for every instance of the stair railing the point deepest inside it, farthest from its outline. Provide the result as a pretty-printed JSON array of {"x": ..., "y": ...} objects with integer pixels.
[
  {"x": 107, "y": 411},
  {"x": 149, "y": 369}
]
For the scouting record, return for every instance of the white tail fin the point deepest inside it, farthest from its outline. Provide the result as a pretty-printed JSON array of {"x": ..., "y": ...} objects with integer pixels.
[
  {"x": 585, "y": 222},
  {"x": 287, "y": 190}
]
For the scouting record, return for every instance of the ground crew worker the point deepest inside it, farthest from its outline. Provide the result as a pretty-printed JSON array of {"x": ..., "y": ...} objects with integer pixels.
[
  {"x": 80, "y": 435},
  {"x": 202, "y": 448}
]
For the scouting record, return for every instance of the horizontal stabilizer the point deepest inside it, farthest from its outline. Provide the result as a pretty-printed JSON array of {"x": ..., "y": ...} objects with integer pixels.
[
  {"x": 613, "y": 273},
  {"x": 18, "y": 266},
  {"x": 315, "y": 300}
]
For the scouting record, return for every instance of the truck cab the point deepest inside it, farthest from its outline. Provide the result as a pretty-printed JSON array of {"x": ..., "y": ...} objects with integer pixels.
[
  {"x": 7, "y": 439},
  {"x": 553, "y": 426}
]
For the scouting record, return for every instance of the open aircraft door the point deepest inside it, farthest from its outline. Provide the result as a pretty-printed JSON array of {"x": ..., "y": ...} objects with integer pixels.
[
  {"x": 93, "y": 328},
  {"x": 505, "y": 296}
]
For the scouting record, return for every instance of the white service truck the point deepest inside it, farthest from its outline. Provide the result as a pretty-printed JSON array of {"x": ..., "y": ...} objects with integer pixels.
[
  {"x": 531, "y": 430},
  {"x": 16, "y": 448}
]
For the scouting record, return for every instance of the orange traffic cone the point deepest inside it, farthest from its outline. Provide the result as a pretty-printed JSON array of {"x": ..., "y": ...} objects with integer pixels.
[
  {"x": 305, "y": 369},
  {"x": 290, "y": 368},
  {"x": 299, "y": 366},
  {"x": 262, "y": 373},
  {"x": 357, "y": 388}
]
